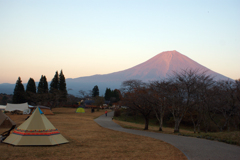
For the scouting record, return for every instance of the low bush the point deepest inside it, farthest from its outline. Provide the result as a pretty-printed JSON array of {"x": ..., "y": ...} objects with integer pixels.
[{"x": 117, "y": 113}]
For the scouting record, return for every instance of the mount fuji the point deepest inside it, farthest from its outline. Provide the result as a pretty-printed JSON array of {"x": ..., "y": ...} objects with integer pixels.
[{"x": 156, "y": 68}]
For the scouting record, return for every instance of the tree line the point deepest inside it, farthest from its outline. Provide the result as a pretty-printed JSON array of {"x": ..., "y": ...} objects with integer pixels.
[
  {"x": 190, "y": 94},
  {"x": 4, "y": 98},
  {"x": 57, "y": 93},
  {"x": 110, "y": 96}
]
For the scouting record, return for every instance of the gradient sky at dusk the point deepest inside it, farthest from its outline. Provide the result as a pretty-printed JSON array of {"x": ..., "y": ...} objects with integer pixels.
[{"x": 87, "y": 37}]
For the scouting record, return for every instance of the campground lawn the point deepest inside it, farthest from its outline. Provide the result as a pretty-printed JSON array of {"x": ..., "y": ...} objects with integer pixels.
[{"x": 87, "y": 140}]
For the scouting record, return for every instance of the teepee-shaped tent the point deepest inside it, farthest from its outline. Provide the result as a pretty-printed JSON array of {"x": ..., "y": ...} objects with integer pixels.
[
  {"x": 36, "y": 130},
  {"x": 5, "y": 121},
  {"x": 44, "y": 109}
]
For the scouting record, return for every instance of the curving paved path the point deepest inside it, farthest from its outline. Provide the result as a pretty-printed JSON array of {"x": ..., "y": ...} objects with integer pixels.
[{"x": 193, "y": 148}]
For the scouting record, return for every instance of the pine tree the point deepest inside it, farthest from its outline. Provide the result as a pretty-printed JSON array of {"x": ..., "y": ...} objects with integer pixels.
[
  {"x": 62, "y": 87},
  {"x": 43, "y": 95},
  {"x": 95, "y": 91},
  {"x": 19, "y": 95},
  {"x": 116, "y": 94},
  {"x": 45, "y": 85},
  {"x": 54, "y": 84},
  {"x": 107, "y": 94},
  {"x": 41, "y": 85},
  {"x": 54, "y": 92},
  {"x": 31, "y": 86},
  {"x": 31, "y": 90}
]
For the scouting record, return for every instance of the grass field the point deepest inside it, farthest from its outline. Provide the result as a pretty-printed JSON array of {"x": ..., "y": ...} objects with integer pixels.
[
  {"x": 87, "y": 140},
  {"x": 232, "y": 137}
]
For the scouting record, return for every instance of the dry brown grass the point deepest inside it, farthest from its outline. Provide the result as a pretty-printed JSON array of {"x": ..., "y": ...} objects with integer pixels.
[
  {"x": 167, "y": 130},
  {"x": 232, "y": 137},
  {"x": 87, "y": 140}
]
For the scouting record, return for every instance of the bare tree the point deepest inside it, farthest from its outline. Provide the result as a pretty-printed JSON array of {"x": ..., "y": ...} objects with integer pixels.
[
  {"x": 158, "y": 96},
  {"x": 198, "y": 111},
  {"x": 237, "y": 87},
  {"x": 85, "y": 94},
  {"x": 71, "y": 99},
  {"x": 98, "y": 101},
  {"x": 175, "y": 98},
  {"x": 135, "y": 96},
  {"x": 183, "y": 93},
  {"x": 131, "y": 85},
  {"x": 237, "y": 114},
  {"x": 226, "y": 104}
]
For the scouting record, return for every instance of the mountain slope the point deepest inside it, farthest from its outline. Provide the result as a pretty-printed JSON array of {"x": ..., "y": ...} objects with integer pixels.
[{"x": 158, "y": 67}]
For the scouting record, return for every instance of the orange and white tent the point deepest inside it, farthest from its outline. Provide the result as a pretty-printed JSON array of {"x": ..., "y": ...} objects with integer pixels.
[{"x": 36, "y": 130}]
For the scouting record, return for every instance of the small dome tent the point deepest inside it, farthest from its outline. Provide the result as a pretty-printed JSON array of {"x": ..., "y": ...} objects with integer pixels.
[{"x": 80, "y": 110}]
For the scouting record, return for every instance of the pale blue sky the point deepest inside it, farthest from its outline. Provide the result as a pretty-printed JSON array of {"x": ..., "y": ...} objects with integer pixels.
[{"x": 87, "y": 37}]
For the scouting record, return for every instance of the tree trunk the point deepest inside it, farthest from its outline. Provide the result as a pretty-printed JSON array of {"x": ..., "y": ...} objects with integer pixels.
[
  {"x": 194, "y": 125},
  {"x": 161, "y": 123},
  {"x": 160, "y": 128},
  {"x": 146, "y": 123},
  {"x": 198, "y": 128},
  {"x": 176, "y": 126},
  {"x": 228, "y": 125}
]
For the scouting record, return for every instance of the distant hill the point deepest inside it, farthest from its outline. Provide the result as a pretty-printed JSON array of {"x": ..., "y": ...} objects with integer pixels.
[
  {"x": 158, "y": 67},
  {"x": 7, "y": 88}
]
